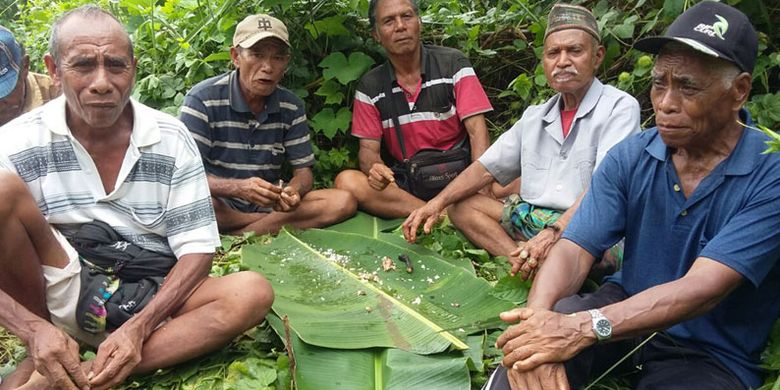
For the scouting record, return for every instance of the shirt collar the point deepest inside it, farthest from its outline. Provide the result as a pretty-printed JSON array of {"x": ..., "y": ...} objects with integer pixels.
[
  {"x": 743, "y": 158},
  {"x": 239, "y": 104},
  {"x": 423, "y": 64},
  {"x": 145, "y": 131},
  {"x": 587, "y": 104}
]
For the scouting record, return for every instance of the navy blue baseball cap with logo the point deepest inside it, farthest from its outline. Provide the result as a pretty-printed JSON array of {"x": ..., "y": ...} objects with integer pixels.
[
  {"x": 713, "y": 28},
  {"x": 10, "y": 61}
]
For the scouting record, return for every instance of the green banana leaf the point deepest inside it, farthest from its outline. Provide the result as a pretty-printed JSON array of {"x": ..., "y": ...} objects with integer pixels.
[
  {"x": 336, "y": 294},
  {"x": 384, "y": 229},
  {"x": 367, "y": 225},
  {"x": 320, "y": 368}
]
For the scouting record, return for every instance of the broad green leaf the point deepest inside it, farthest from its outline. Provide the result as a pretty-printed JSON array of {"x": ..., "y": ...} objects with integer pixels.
[
  {"x": 329, "y": 123},
  {"x": 331, "y": 90},
  {"x": 336, "y": 65},
  {"x": 249, "y": 373},
  {"x": 375, "y": 227},
  {"x": 330, "y": 26},
  {"x": 219, "y": 56},
  {"x": 320, "y": 368},
  {"x": 333, "y": 288},
  {"x": 367, "y": 225}
]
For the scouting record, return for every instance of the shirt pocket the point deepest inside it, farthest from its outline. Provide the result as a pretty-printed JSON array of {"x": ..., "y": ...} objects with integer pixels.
[
  {"x": 584, "y": 161},
  {"x": 535, "y": 174},
  {"x": 149, "y": 217}
]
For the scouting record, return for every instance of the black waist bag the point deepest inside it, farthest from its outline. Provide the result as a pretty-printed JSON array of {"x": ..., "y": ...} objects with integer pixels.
[
  {"x": 118, "y": 278},
  {"x": 430, "y": 170}
]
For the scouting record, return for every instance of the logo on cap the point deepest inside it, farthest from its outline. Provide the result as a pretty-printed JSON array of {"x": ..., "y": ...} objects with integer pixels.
[
  {"x": 264, "y": 24},
  {"x": 717, "y": 29}
]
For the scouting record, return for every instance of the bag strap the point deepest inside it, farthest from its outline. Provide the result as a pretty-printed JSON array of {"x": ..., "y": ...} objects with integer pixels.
[{"x": 394, "y": 117}]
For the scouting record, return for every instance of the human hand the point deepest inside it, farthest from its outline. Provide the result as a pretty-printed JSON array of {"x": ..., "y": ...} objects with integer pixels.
[
  {"x": 289, "y": 200},
  {"x": 543, "y": 336},
  {"x": 56, "y": 357},
  {"x": 259, "y": 191},
  {"x": 116, "y": 357},
  {"x": 530, "y": 255},
  {"x": 547, "y": 376},
  {"x": 427, "y": 215},
  {"x": 380, "y": 176}
]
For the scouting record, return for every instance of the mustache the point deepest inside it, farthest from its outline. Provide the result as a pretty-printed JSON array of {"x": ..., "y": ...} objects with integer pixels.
[{"x": 568, "y": 69}]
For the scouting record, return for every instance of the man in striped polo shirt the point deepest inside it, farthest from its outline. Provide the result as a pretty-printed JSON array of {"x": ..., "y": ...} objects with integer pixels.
[
  {"x": 247, "y": 127},
  {"x": 440, "y": 105},
  {"x": 95, "y": 154}
]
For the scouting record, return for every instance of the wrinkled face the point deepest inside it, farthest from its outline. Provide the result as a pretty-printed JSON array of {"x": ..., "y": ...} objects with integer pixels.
[
  {"x": 691, "y": 102},
  {"x": 261, "y": 66},
  {"x": 397, "y": 27},
  {"x": 95, "y": 70},
  {"x": 570, "y": 60},
  {"x": 12, "y": 105}
]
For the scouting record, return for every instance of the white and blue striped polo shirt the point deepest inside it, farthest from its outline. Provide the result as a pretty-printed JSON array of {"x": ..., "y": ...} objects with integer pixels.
[
  {"x": 234, "y": 142},
  {"x": 161, "y": 200}
]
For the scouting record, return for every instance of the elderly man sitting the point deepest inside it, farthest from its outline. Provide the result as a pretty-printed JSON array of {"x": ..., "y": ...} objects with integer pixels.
[
  {"x": 95, "y": 157},
  {"x": 697, "y": 204},
  {"x": 554, "y": 146}
]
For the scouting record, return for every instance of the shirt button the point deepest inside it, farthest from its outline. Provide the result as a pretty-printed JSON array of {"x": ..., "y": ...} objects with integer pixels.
[
  {"x": 684, "y": 213},
  {"x": 558, "y": 187},
  {"x": 676, "y": 187},
  {"x": 563, "y": 156}
]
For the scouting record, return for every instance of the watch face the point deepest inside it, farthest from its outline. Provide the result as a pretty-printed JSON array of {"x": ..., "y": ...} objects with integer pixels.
[{"x": 603, "y": 328}]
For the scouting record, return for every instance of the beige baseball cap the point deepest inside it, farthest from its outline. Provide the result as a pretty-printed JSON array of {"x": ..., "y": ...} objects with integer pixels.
[{"x": 256, "y": 27}]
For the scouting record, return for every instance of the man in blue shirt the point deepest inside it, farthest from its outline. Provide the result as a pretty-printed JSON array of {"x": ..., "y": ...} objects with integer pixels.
[{"x": 697, "y": 204}]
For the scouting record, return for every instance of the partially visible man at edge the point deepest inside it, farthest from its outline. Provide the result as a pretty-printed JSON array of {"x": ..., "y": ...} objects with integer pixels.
[
  {"x": 96, "y": 154},
  {"x": 697, "y": 203},
  {"x": 248, "y": 128},
  {"x": 555, "y": 147},
  {"x": 441, "y": 105},
  {"x": 20, "y": 89}
]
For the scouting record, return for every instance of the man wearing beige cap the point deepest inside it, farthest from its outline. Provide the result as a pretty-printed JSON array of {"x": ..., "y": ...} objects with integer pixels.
[
  {"x": 247, "y": 128},
  {"x": 20, "y": 89},
  {"x": 555, "y": 147}
]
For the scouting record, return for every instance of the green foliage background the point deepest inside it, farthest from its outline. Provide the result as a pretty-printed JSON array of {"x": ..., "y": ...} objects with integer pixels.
[{"x": 181, "y": 42}]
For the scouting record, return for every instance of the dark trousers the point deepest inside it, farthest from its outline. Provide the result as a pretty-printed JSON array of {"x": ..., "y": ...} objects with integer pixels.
[{"x": 662, "y": 363}]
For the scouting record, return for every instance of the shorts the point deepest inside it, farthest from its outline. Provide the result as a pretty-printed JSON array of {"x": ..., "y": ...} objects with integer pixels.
[
  {"x": 244, "y": 206},
  {"x": 63, "y": 286},
  {"x": 522, "y": 220}
]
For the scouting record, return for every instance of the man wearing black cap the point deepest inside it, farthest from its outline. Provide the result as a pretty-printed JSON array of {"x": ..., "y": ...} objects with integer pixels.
[
  {"x": 247, "y": 128},
  {"x": 20, "y": 89},
  {"x": 555, "y": 146},
  {"x": 696, "y": 201}
]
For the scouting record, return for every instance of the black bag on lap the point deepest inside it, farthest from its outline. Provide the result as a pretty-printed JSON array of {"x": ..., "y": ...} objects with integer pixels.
[
  {"x": 118, "y": 278},
  {"x": 429, "y": 170}
]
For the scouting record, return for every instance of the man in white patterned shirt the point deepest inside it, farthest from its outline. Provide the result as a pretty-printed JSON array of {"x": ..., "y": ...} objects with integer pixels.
[{"x": 97, "y": 155}]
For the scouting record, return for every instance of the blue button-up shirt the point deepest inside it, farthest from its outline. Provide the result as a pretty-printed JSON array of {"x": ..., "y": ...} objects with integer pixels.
[{"x": 732, "y": 217}]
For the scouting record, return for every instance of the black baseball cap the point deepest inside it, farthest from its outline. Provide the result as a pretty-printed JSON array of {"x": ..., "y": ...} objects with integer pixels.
[{"x": 713, "y": 28}]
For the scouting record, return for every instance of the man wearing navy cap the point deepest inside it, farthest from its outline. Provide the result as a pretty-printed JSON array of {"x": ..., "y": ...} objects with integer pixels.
[
  {"x": 20, "y": 89},
  {"x": 696, "y": 201}
]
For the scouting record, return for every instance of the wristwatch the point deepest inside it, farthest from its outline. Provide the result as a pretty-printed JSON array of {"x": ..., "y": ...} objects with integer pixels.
[{"x": 601, "y": 325}]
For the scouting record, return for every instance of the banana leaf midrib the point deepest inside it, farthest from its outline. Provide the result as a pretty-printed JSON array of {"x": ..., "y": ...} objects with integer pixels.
[{"x": 457, "y": 343}]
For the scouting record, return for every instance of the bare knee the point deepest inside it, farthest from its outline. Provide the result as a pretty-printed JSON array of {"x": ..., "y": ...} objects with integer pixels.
[
  {"x": 459, "y": 212},
  {"x": 249, "y": 298},
  {"x": 354, "y": 182}
]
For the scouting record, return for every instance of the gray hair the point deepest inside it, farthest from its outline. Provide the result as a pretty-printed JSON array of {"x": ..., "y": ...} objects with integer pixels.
[
  {"x": 372, "y": 11},
  {"x": 85, "y": 11}
]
